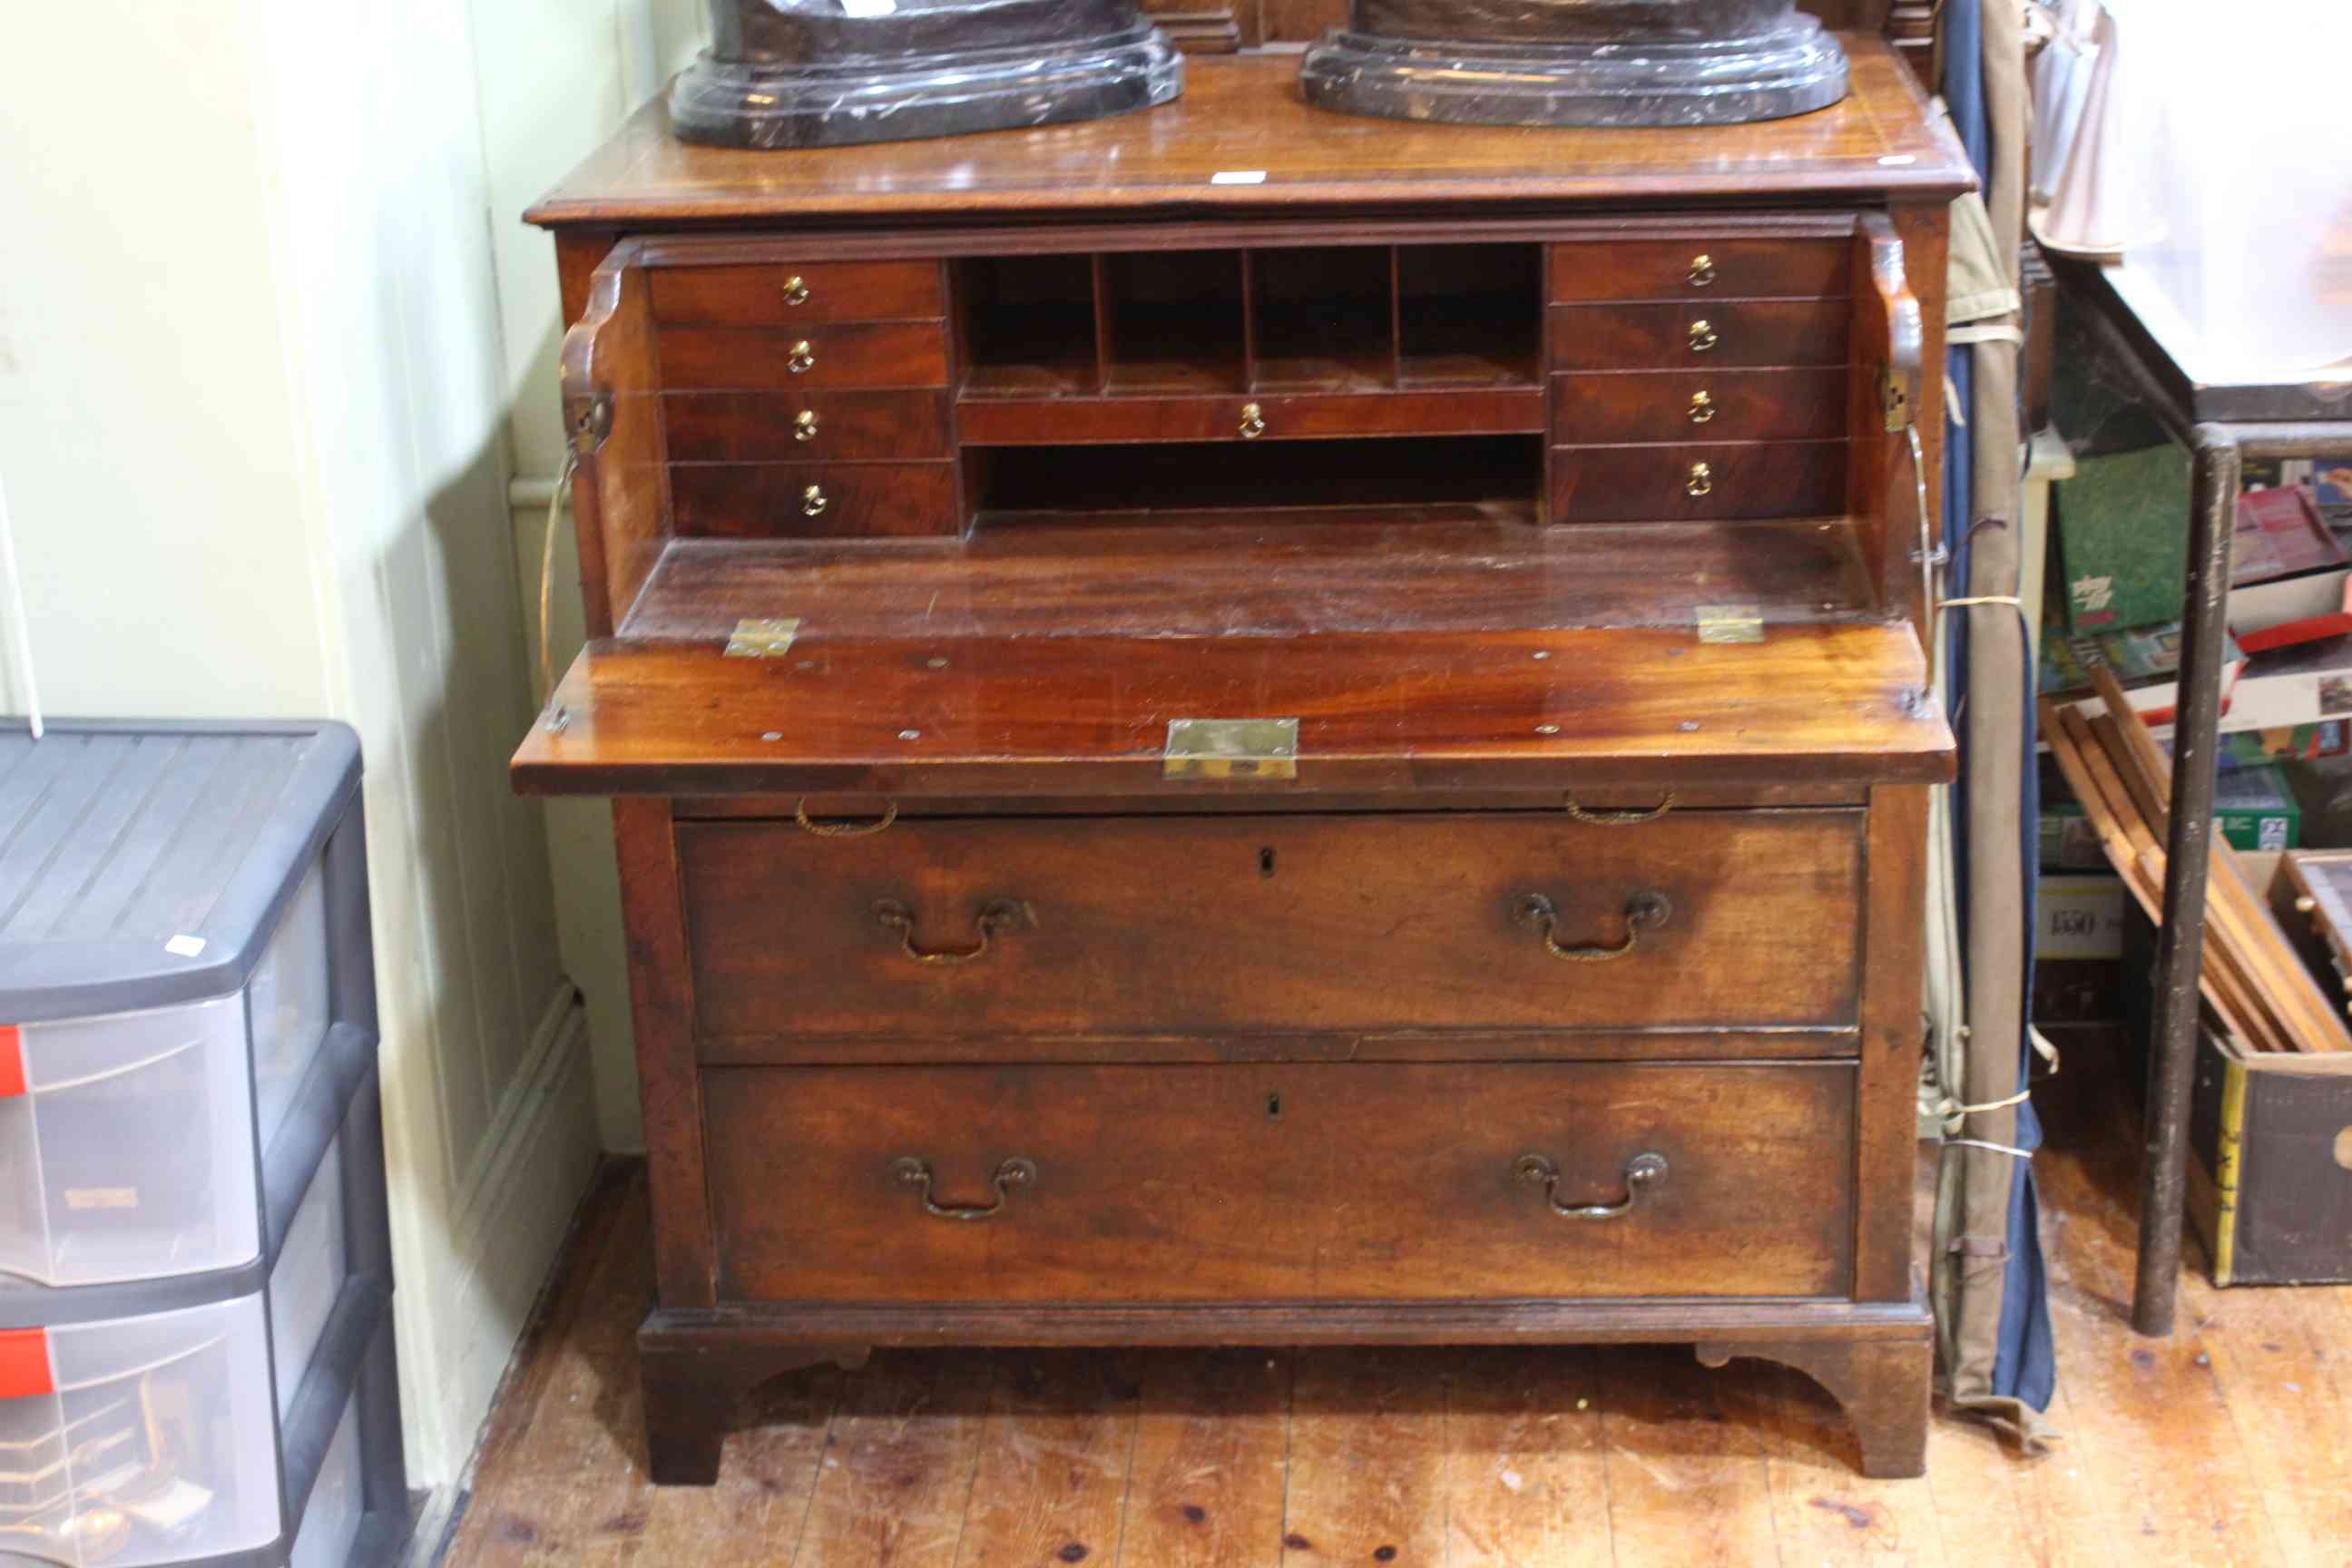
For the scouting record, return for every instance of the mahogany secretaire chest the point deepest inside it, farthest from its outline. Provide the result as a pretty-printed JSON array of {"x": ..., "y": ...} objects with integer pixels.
[{"x": 1237, "y": 725}]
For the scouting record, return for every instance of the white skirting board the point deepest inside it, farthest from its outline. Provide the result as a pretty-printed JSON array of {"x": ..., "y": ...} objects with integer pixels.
[{"x": 508, "y": 1227}]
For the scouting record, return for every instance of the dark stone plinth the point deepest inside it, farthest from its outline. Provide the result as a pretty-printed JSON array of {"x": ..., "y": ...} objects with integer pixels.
[
  {"x": 828, "y": 73},
  {"x": 1576, "y": 62}
]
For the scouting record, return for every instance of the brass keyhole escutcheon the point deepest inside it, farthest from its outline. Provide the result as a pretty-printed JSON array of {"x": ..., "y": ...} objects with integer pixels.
[
  {"x": 1252, "y": 421},
  {"x": 804, "y": 426},
  {"x": 814, "y": 501},
  {"x": 796, "y": 291},
  {"x": 1701, "y": 408},
  {"x": 1702, "y": 271},
  {"x": 1702, "y": 337},
  {"x": 1701, "y": 481},
  {"x": 803, "y": 359}
]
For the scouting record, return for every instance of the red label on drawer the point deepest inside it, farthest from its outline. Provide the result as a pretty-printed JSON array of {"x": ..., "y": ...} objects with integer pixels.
[
  {"x": 24, "y": 1364},
  {"x": 11, "y": 1061}
]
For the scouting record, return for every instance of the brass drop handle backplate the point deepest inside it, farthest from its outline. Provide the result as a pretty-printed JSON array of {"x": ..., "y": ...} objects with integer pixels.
[
  {"x": 1017, "y": 1171},
  {"x": 1701, "y": 408},
  {"x": 1644, "y": 912},
  {"x": 814, "y": 501},
  {"x": 996, "y": 916},
  {"x": 1701, "y": 481},
  {"x": 1252, "y": 421},
  {"x": 796, "y": 291},
  {"x": 803, "y": 359},
  {"x": 1643, "y": 1174},
  {"x": 1702, "y": 271},
  {"x": 804, "y": 424},
  {"x": 1703, "y": 337}
]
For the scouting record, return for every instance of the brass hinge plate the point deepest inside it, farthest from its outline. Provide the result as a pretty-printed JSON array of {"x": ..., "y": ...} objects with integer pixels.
[
  {"x": 764, "y": 639},
  {"x": 1231, "y": 749},
  {"x": 1730, "y": 623}
]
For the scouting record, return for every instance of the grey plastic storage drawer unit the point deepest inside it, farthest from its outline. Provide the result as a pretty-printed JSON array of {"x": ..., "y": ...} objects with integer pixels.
[{"x": 195, "y": 1277}]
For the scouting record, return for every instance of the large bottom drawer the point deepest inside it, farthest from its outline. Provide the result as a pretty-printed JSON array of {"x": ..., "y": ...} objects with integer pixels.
[{"x": 1324, "y": 1181}]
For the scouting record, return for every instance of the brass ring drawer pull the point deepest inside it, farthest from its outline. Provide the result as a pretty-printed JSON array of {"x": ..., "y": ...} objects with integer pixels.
[
  {"x": 1252, "y": 421},
  {"x": 1643, "y": 911},
  {"x": 1702, "y": 409},
  {"x": 1643, "y": 1173},
  {"x": 1620, "y": 818},
  {"x": 1703, "y": 337},
  {"x": 1014, "y": 1172},
  {"x": 814, "y": 501},
  {"x": 796, "y": 289},
  {"x": 1702, "y": 271},
  {"x": 843, "y": 830},
  {"x": 803, "y": 359},
  {"x": 1701, "y": 482},
  {"x": 804, "y": 424},
  {"x": 996, "y": 915}
]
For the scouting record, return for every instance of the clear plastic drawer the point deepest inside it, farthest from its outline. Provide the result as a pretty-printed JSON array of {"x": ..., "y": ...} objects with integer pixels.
[
  {"x": 309, "y": 1277},
  {"x": 138, "y": 1441},
  {"x": 127, "y": 1146},
  {"x": 288, "y": 1003},
  {"x": 330, "y": 1524}
]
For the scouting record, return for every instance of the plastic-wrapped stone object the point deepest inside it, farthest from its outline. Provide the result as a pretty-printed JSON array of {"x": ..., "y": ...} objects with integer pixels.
[
  {"x": 829, "y": 73},
  {"x": 1576, "y": 62}
]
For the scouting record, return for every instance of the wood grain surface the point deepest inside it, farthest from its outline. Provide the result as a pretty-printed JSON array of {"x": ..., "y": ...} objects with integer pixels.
[{"x": 1245, "y": 113}]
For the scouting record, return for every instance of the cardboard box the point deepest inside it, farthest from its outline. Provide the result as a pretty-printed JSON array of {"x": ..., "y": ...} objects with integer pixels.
[{"x": 2079, "y": 918}]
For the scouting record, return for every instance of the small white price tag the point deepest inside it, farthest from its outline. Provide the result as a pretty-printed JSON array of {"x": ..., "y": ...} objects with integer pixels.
[
  {"x": 1238, "y": 177},
  {"x": 869, "y": 7},
  {"x": 185, "y": 947}
]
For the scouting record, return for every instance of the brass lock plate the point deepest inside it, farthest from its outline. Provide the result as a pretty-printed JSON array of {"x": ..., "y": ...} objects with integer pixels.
[
  {"x": 771, "y": 639},
  {"x": 1231, "y": 749}
]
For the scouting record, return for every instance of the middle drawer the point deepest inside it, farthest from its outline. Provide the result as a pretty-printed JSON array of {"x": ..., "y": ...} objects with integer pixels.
[{"x": 1271, "y": 924}]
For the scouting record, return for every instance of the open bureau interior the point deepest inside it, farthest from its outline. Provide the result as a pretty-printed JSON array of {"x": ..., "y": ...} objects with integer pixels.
[{"x": 1603, "y": 424}]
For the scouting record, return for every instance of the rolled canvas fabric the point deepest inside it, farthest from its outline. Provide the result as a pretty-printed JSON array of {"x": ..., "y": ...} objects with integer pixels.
[{"x": 1992, "y": 1327}]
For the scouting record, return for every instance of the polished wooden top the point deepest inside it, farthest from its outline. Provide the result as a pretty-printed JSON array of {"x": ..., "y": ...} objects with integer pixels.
[
  {"x": 1243, "y": 115},
  {"x": 1438, "y": 655}
]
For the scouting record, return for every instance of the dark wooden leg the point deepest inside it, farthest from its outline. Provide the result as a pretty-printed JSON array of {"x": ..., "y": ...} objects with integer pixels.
[
  {"x": 2180, "y": 943},
  {"x": 1883, "y": 1384},
  {"x": 691, "y": 1390}
]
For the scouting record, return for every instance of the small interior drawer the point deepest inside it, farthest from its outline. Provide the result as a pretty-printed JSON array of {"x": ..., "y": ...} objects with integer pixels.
[
  {"x": 805, "y": 426},
  {"x": 1696, "y": 481},
  {"x": 814, "y": 500},
  {"x": 1701, "y": 269},
  {"x": 1705, "y": 333},
  {"x": 767, "y": 359},
  {"x": 1323, "y": 1181},
  {"x": 790, "y": 293},
  {"x": 1247, "y": 416},
  {"x": 1698, "y": 405}
]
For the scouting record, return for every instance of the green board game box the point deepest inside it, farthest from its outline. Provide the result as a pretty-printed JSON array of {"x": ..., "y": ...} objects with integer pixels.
[
  {"x": 2123, "y": 539},
  {"x": 2253, "y": 806}
]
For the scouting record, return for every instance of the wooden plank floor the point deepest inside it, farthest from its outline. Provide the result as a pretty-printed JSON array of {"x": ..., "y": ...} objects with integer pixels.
[{"x": 2229, "y": 1444}]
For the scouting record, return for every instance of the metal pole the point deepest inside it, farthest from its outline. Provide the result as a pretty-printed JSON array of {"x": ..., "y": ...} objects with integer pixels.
[{"x": 2182, "y": 943}]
